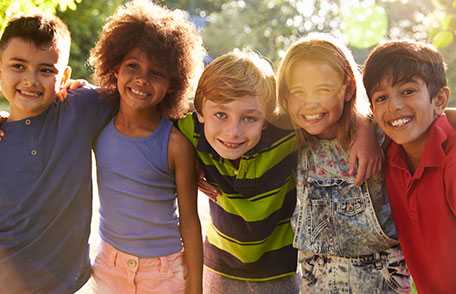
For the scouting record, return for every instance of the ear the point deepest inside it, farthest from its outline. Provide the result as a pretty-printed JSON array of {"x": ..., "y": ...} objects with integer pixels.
[
  {"x": 349, "y": 89},
  {"x": 65, "y": 76},
  {"x": 200, "y": 117},
  {"x": 440, "y": 100}
]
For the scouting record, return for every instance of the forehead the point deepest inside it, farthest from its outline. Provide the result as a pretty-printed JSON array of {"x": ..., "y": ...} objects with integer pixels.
[
  {"x": 27, "y": 51},
  {"x": 308, "y": 72},
  {"x": 389, "y": 81},
  {"x": 245, "y": 104}
]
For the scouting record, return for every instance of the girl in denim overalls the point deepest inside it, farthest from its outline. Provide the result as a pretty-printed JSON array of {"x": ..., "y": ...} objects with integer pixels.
[{"x": 345, "y": 234}]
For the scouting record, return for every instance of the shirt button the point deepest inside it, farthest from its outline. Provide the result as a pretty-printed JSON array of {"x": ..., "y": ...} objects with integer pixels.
[
  {"x": 28, "y": 122},
  {"x": 34, "y": 152},
  {"x": 131, "y": 263}
]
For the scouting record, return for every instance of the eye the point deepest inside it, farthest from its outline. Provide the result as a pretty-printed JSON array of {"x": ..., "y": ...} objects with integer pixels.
[
  {"x": 220, "y": 115},
  {"x": 408, "y": 91},
  {"x": 17, "y": 66},
  {"x": 132, "y": 65},
  {"x": 249, "y": 119},
  {"x": 48, "y": 71},
  {"x": 380, "y": 98}
]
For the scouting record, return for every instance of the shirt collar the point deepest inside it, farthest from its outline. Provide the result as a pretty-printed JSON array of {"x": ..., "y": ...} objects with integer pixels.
[{"x": 434, "y": 151}]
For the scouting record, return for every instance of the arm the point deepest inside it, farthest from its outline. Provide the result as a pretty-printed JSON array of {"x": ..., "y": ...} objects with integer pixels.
[
  {"x": 182, "y": 161},
  {"x": 365, "y": 152},
  {"x": 451, "y": 115}
]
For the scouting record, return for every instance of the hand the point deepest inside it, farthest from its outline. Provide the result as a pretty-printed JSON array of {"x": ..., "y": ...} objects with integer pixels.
[
  {"x": 71, "y": 85},
  {"x": 3, "y": 118},
  {"x": 205, "y": 187},
  {"x": 366, "y": 155}
]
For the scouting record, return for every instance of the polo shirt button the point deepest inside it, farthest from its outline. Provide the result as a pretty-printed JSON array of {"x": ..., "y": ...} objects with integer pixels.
[
  {"x": 28, "y": 122},
  {"x": 34, "y": 152},
  {"x": 131, "y": 263}
]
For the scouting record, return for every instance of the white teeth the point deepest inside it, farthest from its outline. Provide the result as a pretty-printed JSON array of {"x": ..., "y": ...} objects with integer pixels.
[
  {"x": 400, "y": 122},
  {"x": 313, "y": 116},
  {"x": 35, "y": 94},
  {"x": 137, "y": 92},
  {"x": 231, "y": 145}
]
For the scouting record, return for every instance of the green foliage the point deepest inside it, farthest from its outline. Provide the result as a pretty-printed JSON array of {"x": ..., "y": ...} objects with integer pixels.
[
  {"x": 11, "y": 8},
  {"x": 365, "y": 25},
  {"x": 85, "y": 23}
]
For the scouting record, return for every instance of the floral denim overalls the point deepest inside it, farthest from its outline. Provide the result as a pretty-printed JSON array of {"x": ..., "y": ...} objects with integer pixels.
[{"x": 340, "y": 228}]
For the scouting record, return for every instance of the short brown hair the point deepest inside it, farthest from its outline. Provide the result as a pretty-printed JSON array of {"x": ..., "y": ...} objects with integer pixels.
[
  {"x": 327, "y": 49},
  {"x": 43, "y": 30},
  {"x": 160, "y": 32},
  {"x": 235, "y": 75},
  {"x": 403, "y": 60}
]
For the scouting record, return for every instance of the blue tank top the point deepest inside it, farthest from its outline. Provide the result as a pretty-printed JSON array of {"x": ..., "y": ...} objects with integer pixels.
[{"x": 138, "y": 209}]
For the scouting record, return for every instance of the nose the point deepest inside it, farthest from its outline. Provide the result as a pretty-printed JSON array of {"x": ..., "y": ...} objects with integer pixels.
[
  {"x": 395, "y": 103},
  {"x": 233, "y": 128},
  {"x": 29, "y": 80},
  {"x": 141, "y": 80}
]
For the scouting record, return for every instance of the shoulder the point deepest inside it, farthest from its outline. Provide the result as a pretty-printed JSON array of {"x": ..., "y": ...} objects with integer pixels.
[{"x": 178, "y": 143}]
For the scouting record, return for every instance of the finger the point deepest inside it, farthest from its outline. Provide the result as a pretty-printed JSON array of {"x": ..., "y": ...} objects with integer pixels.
[
  {"x": 352, "y": 164},
  {"x": 2, "y": 134},
  {"x": 208, "y": 193},
  {"x": 207, "y": 189},
  {"x": 361, "y": 172}
]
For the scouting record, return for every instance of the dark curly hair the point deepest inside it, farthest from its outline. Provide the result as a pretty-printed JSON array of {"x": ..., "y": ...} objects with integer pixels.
[{"x": 167, "y": 35}]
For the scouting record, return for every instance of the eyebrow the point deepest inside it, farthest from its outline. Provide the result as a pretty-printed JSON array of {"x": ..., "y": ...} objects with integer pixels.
[{"x": 18, "y": 59}]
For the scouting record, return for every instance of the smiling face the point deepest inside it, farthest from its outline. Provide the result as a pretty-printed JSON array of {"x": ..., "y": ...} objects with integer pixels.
[
  {"x": 316, "y": 98},
  {"x": 233, "y": 128},
  {"x": 30, "y": 77},
  {"x": 141, "y": 81},
  {"x": 405, "y": 110}
]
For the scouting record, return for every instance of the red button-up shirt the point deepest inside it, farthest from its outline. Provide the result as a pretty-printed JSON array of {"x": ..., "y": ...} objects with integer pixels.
[{"x": 424, "y": 208}]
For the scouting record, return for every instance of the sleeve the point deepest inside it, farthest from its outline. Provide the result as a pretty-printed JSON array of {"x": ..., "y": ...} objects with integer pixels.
[
  {"x": 93, "y": 108},
  {"x": 450, "y": 184},
  {"x": 186, "y": 126}
]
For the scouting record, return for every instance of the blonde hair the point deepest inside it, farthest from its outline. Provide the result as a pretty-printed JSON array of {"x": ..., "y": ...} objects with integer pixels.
[
  {"x": 235, "y": 75},
  {"x": 327, "y": 49}
]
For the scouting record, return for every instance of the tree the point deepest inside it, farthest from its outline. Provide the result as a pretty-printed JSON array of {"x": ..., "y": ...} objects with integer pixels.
[
  {"x": 10, "y": 8},
  {"x": 85, "y": 24}
]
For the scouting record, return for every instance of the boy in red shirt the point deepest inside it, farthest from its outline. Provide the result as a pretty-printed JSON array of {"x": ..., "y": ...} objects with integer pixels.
[{"x": 408, "y": 92}]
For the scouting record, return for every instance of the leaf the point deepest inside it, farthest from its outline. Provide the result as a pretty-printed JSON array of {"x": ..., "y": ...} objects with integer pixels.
[
  {"x": 442, "y": 39},
  {"x": 364, "y": 26}
]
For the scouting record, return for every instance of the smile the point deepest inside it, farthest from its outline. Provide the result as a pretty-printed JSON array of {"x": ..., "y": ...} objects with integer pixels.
[
  {"x": 138, "y": 92},
  {"x": 400, "y": 122},
  {"x": 313, "y": 117},
  {"x": 30, "y": 94},
  {"x": 230, "y": 145}
]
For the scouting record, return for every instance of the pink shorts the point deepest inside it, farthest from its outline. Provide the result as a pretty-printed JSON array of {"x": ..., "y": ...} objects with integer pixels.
[{"x": 118, "y": 272}]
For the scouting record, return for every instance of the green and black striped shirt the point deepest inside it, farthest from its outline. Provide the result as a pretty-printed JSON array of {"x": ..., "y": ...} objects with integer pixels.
[{"x": 249, "y": 236}]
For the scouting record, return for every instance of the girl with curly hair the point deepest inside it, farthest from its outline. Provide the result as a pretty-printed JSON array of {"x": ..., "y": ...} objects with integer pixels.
[{"x": 146, "y": 58}]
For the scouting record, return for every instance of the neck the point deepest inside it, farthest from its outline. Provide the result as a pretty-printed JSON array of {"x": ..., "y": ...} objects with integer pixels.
[
  {"x": 413, "y": 155},
  {"x": 137, "y": 123}
]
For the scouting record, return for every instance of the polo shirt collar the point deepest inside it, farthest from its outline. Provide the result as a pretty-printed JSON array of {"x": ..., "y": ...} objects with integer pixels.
[{"x": 434, "y": 152}]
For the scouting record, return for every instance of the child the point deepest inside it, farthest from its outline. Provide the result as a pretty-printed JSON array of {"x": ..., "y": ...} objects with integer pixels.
[
  {"x": 408, "y": 92},
  {"x": 145, "y": 57},
  {"x": 248, "y": 246},
  {"x": 45, "y": 161},
  {"x": 345, "y": 234}
]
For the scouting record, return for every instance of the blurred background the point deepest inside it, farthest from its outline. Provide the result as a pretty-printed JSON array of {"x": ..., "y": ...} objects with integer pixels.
[{"x": 269, "y": 26}]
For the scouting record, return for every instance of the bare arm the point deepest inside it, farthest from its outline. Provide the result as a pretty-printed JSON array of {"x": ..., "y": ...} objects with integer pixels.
[
  {"x": 182, "y": 161},
  {"x": 365, "y": 154}
]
